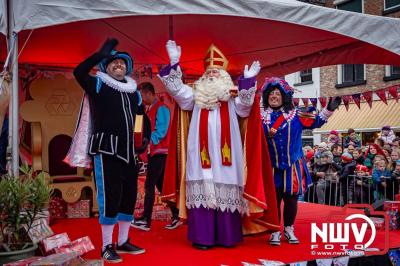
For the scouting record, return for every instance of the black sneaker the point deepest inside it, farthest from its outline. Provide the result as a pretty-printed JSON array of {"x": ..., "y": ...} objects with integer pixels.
[
  {"x": 110, "y": 255},
  {"x": 141, "y": 224},
  {"x": 130, "y": 248},
  {"x": 174, "y": 224}
]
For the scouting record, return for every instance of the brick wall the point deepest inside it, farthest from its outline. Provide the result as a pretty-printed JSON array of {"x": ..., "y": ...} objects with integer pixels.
[{"x": 374, "y": 73}]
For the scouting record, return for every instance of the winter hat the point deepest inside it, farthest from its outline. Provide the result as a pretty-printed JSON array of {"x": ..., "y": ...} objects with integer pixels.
[
  {"x": 398, "y": 162},
  {"x": 386, "y": 127},
  {"x": 323, "y": 145},
  {"x": 361, "y": 168},
  {"x": 334, "y": 132},
  {"x": 347, "y": 157}
]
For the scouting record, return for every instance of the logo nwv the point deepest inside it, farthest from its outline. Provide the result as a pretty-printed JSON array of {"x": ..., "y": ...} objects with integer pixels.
[{"x": 340, "y": 232}]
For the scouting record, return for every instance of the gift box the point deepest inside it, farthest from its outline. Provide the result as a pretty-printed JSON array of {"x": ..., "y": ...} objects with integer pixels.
[
  {"x": 23, "y": 262},
  {"x": 378, "y": 222},
  {"x": 79, "y": 209},
  {"x": 57, "y": 209},
  {"x": 63, "y": 259},
  {"x": 79, "y": 246},
  {"x": 40, "y": 230},
  {"x": 55, "y": 241},
  {"x": 394, "y": 219},
  {"x": 391, "y": 205},
  {"x": 92, "y": 263}
]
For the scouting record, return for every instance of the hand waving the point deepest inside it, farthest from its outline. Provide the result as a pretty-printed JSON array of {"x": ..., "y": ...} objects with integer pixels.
[
  {"x": 253, "y": 71},
  {"x": 174, "y": 52},
  {"x": 108, "y": 46}
]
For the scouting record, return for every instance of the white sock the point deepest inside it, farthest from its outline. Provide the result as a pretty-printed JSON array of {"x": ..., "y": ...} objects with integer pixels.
[
  {"x": 123, "y": 232},
  {"x": 107, "y": 233}
]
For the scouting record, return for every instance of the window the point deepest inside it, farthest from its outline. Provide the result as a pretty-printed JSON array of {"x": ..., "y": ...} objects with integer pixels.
[
  {"x": 353, "y": 73},
  {"x": 391, "y": 73},
  {"x": 353, "y": 5},
  {"x": 350, "y": 75},
  {"x": 306, "y": 75},
  {"x": 394, "y": 70},
  {"x": 391, "y": 4}
]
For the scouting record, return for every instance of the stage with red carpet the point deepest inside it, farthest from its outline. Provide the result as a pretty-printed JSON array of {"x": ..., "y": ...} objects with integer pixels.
[{"x": 171, "y": 247}]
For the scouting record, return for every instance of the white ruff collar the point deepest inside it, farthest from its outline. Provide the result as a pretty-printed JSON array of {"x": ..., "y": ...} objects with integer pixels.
[{"x": 130, "y": 86}]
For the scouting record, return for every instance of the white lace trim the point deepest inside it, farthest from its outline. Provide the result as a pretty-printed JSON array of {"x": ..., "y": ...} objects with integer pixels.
[
  {"x": 247, "y": 96},
  {"x": 266, "y": 115},
  {"x": 325, "y": 114},
  {"x": 173, "y": 81},
  {"x": 212, "y": 195},
  {"x": 130, "y": 86}
]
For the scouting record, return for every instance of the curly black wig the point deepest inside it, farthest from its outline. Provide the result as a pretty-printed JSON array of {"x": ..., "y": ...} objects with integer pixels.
[{"x": 287, "y": 101}]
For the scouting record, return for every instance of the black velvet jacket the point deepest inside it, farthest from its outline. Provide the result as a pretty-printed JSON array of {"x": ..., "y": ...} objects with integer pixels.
[{"x": 113, "y": 114}]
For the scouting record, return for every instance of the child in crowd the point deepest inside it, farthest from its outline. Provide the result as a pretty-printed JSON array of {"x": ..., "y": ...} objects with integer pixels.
[
  {"x": 358, "y": 156},
  {"x": 337, "y": 153},
  {"x": 363, "y": 187},
  {"x": 381, "y": 176},
  {"x": 396, "y": 177},
  {"x": 345, "y": 178}
]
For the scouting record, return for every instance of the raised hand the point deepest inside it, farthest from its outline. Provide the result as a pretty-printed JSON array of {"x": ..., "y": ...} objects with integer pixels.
[
  {"x": 334, "y": 103},
  {"x": 253, "y": 71},
  {"x": 174, "y": 52},
  {"x": 108, "y": 46}
]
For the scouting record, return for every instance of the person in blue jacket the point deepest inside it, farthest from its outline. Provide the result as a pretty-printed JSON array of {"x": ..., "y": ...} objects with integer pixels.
[{"x": 283, "y": 125}]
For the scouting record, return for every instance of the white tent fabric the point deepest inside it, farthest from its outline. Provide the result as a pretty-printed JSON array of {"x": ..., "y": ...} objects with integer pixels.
[
  {"x": 285, "y": 35},
  {"x": 41, "y": 13}
]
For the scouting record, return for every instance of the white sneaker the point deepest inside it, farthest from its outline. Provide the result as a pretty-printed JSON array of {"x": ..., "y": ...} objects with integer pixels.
[
  {"x": 275, "y": 239},
  {"x": 289, "y": 235}
]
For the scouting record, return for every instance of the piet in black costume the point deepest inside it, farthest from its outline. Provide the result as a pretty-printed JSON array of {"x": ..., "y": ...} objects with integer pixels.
[{"x": 112, "y": 99}]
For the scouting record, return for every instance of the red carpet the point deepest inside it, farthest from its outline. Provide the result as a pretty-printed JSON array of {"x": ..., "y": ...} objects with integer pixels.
[{"x": 171, "y": 247}]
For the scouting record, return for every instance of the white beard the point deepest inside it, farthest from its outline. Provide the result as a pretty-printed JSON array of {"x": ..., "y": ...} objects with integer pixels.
[{"x": 210, "y": 91}]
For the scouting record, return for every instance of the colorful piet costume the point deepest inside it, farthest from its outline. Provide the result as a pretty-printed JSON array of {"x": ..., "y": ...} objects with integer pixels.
[
  {"x": 283, "y": 128},
  {"x": 212, "y": 166}
]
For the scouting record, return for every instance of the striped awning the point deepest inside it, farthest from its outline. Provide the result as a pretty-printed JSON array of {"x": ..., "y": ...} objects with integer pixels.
[{"x": 364, "y": 119}]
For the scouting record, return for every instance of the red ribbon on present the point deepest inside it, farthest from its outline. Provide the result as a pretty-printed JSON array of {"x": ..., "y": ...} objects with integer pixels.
[
  {"x": 323, "y": 101},
  {"x": 368, "y": 97},
  {"x": 382, "y": 95}
]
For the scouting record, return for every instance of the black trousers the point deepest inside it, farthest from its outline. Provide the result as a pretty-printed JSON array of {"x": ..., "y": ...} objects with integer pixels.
[
  {"x": 155, "y": 178},
  {"x": 290, "y": 206},
  {"x": 116, "y": 184}
]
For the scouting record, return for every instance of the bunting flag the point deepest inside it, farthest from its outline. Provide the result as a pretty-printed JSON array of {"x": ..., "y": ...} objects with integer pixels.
[
  {"x": 313, "y": 102},
  {"x": 382, "y": 95},
  {"x": 305, "y": 101},
  {"x": 346, "y": 101},
  {"x": 368, "y": 98},
  {"x": 323, "y": 102},
  {"x": 393, "y": 92},
  {"x": 357, "y": 99}
]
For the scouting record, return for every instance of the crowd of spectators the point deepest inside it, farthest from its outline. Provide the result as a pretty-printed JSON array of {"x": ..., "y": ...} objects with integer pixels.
[{"x": 345, "y": 171}]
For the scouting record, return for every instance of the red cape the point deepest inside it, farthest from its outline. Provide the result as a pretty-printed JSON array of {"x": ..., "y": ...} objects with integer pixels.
[{"x": 259, "y": 189}]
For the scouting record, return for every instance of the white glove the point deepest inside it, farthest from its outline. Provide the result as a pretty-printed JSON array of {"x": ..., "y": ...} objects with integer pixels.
[
  {"x": 174, "y": 52},
  {"x": 253, "y": 71}
]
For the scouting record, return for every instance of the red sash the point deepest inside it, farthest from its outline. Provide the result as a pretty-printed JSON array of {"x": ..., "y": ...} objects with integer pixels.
[
  {"x": 225, "y": 137},
  {"x": 276, "y": 125}
]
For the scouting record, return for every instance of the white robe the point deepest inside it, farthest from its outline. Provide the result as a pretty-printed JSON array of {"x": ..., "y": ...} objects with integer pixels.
[{"x": 218, "y": 187}]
